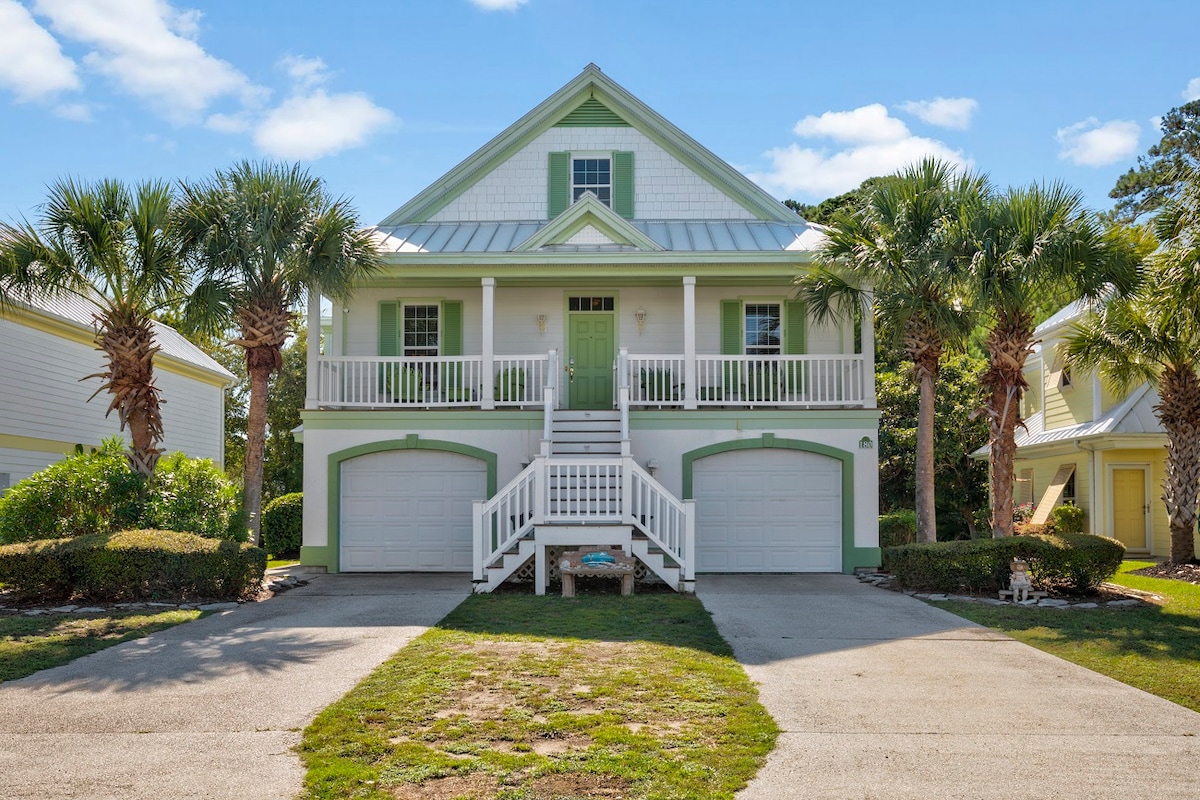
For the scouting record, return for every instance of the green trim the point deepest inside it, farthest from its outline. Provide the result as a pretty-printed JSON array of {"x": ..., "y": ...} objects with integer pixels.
[
  {"x": 452, "y": 328},
  {"x": 421, "y": 419},
  {"x": 389, "y": 329},
  {"x": 666, "y": 262},
  {"x": 588, "y": 211},
  {"x": 332, "y": 550},
  {"x": 852, "y": 556},
  {"x": 317, "y": 556},
  {"x": 39, "y": 445},
  {"x": 558, "y": 183},
  {"x": 795, "y": 327},
  {"x": 591, "y": 83},
  {"x": 591, "y": 113},
  {"x": 746, "y": 419},
  {"x": 622, "y": 184}
]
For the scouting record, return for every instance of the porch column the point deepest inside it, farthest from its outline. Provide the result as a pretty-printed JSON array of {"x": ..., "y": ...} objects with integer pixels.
[
  {"x": 868, "y": 349},
  {"x": 689, "y": 342},
  {"x": 313, "y": 342},
  {"x": 488, "y": 324}
]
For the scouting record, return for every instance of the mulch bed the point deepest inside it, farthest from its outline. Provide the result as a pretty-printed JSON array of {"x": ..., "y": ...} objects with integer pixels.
[{"x": 1188, "y": 573}]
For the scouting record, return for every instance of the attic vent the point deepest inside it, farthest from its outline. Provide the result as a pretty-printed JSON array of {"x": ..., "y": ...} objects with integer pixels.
[{"x": 591, "y": 113}]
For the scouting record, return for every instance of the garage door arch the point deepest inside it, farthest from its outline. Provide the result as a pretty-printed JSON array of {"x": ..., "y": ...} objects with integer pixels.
[
  {"x": 410, "y": 442},
  {"x": 770, "y": 441}
]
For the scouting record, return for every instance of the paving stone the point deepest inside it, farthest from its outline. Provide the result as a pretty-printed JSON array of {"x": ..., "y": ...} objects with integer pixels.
[
  {"x": 1124, "y": 603},
  {"x": 89, "y": 610},
  {"x": 35, "y": 612},
  {"x": 1086, "y": 605},
  {"x": 161, "y": 605},
  {"x": 63, "y": 609},
  {"x": 1053, "y": 602},
  {"x": 937, "y": 597},
  {"x": 217, "y": 606}
]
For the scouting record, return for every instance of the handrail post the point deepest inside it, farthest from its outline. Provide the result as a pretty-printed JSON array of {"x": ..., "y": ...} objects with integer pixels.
[
  {"x": 689, "y": 540},
  {"x": 540, "y": 502},
  {"x": 626, "y": 486},
  {"x": 623, "y": 406},
  {"x": 547, "y": 418},
  {"x": 477, "y": 528}
]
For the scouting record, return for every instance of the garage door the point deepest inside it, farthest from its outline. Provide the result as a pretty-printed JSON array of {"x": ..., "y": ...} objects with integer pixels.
[
  {"x": 768, "y": 510},
  {"x": 407, "y": 510}
]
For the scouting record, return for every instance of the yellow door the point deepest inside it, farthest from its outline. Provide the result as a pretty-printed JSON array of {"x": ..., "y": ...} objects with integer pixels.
[{"x": 1129, "y": 507}]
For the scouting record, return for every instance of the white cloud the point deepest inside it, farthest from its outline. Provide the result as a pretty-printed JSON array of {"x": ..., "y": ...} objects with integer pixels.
[
  {"x": 148, "y": 48},
  {"x": 78, "y": 112},
  {"x": 319, "y": 124},
  {"x": 499, "y": 5},
  {"x": 875, "y": 144},
  {"x": 1192, "y": 92},
  {"x": 945, "y": 112},
  {"x": 305, "y": 72},
  {"x": 866, "y": 124},
  {"x": 1091, "y": 143},
  {"x": 32, "y": 65}
]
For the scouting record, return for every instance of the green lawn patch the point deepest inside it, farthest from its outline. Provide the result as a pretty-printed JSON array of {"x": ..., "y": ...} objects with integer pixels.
[
  {"x": 517, "y": 697},
  {"x": 1156, "y": 649},
  {"x": 274, "y": 562},
  {"x": 30, "y": 644}
]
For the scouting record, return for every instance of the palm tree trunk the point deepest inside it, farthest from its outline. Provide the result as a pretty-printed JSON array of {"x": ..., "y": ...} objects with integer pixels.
[
  {"x": 1009, "y": 343},
  {"x": 129, "y": 378},
  {"x": 1179, "y": 412},
  {"x": 926, "y": 508}
]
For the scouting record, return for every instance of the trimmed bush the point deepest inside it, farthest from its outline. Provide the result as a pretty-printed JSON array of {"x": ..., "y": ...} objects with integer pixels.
[
  {"x": 1075, "y": 562},
  {"x": 132, "y": 565},
  {"x": 96, "y": 492},
  {"x": 897, "y": 528},
  {"x": 283, "y": 525},
  {"x": 1067, "y": 519}
]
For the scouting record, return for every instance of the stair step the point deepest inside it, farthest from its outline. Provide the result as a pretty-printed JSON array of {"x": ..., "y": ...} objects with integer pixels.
[
  {"x": 586, "y": 449},
  {"x": 593, "y": 414}
]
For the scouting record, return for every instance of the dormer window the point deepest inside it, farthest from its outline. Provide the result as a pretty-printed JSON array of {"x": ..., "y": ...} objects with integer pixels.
[
  {"x": 592, "y": 175},
  {"x": 1064, "y": 378}
]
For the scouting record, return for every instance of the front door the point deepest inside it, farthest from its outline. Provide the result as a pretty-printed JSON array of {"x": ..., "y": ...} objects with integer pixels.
[
  {"x": 1129, "y": 507},
  {"x": 590, "y": 360}
]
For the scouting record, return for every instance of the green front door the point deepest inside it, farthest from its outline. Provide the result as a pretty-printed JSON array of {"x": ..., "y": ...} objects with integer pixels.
[{"x": 590, "y": 356}]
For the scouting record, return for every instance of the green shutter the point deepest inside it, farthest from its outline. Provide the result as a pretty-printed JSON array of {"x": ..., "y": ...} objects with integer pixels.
[
  {"x": 559, "y": 184},
  {"x": 795, "y": 325},
  {"x": 731, "y": 327},
  {"x": 389, "y": 329},
  {"x": 622, "y": 178},
  {"x": 452, "y": 328}
]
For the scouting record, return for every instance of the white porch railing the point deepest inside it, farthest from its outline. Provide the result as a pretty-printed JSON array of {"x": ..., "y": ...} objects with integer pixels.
[
  {"x": 809, "y": 381},
  {"x": 585, "y": 491},
  {"x": 430, "y": 382}
]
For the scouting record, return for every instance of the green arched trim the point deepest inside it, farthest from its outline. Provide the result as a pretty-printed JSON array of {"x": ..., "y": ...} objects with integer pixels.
[
  {"x": 328, "y": 555},
  {"x": 851, "y": 556}
]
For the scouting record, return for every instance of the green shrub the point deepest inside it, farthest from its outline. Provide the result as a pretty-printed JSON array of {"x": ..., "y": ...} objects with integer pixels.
[
  {"x": 658, "y": 384},
  {"x": 84, "y": 493},
  {"x": 510, "y": 384},
  {"x": 283, "y": 525},
  {"x": 1067, "y": 519},
  {"x": 897, "y": 528},
  {"x": 96, "y": 492},
  {"x": 130, "y": 565},
  {"x": 1075, "y": 562}
]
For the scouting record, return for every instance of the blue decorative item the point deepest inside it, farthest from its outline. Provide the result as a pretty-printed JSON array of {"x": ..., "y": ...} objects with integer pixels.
[{"x": 597, "y": 557}]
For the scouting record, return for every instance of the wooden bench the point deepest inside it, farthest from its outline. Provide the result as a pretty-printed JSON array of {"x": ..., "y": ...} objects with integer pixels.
[
  {"x": 1008, "y": 593},
  {"x": 571, "y": 564}
]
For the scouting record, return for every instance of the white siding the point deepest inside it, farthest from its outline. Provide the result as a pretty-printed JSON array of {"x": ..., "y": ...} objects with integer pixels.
[
  {"x": 663, "y": 187},
  {"x": 42, "y": 397}
]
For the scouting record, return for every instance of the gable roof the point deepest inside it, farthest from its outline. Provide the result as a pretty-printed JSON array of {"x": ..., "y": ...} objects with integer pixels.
[
  {"x": 592, "y": 95},
  {"x": 583, "y": 213}
]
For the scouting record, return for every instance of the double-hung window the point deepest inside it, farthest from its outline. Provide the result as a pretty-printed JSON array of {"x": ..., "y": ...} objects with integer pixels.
[
  {"x": 420, "y": 330},
  {"x": 764, "y": 329},
  {"x": 592, "y": 175}
]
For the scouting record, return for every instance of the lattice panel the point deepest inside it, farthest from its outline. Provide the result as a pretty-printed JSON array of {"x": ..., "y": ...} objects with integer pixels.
[{"x": 525, "y": 572}]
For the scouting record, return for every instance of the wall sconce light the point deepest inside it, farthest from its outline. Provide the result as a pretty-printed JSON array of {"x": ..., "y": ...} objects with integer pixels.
[
  {"x": 652, "y": 466},
  {"x": 541, "y": 321},
  {"x": 639, "y": 317}
]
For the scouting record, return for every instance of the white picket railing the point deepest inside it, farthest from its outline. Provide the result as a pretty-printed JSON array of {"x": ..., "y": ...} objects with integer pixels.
[
  {"x": 655, "y": 379},
  {"x": 583, "y": 491},
  {"x": 430, "y": 382},
  {"x": 780, "y": 380},
  {"x": 521, "y": 379}
]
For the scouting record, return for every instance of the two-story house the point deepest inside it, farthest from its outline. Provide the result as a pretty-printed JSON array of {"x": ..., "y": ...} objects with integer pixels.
[
  {"x": 586, "y": 334},
  {"x": 1085, "y": 445}
]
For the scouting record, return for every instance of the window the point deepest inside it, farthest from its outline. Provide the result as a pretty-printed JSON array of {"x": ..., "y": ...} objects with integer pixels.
[
  {"x": 420, "y": 330},
  {"x": 592, "y": 175},
  {"x": 1064, "y": 379},
  {"x": 1068, "y": 494},
  {"x": 763, "y": 329},
  {"x": 590, "y": 304}
]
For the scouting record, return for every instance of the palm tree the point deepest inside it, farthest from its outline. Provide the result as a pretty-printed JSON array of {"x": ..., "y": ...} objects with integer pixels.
[
  {"x": 892, "y": 247},
  {"x": 265, "y": 234},
  {"x": 120, "y": 251},
  {"x": 1023, "y": 246}
]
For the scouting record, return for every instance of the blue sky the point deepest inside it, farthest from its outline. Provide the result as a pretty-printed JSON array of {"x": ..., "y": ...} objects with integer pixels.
[{"x": 381, "y": 98}]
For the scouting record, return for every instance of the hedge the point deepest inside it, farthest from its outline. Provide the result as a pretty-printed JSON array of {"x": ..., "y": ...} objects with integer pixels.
[
  {"x": 283, "y": 525},
  {"x": 1074, "y": 562},
  {"x": 897, "y": 528},
  {"x": 132, "y": 565}
]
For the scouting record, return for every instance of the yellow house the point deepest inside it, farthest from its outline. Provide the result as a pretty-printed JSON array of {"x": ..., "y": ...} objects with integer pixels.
[{"x": 1085, "y": 445}]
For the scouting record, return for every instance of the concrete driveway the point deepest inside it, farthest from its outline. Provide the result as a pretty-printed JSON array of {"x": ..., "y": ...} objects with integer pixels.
[
  {"x": 879, "y": 695},
  {"x": 210, "y": 709}
]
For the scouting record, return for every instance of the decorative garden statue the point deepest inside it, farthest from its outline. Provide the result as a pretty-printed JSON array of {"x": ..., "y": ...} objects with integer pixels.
[{"x": 1020, "y": 584}]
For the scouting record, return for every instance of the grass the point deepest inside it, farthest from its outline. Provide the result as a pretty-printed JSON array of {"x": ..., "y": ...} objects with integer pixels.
[
  {"x": 516, "y": 697},
  {"x": 273, "y": 562},
  {"x": 30, "y": 644},
  {"x": 1156, "y": 648}
]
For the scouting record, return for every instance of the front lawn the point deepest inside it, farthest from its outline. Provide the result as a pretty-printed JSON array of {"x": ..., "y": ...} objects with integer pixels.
[
  {"x": 1156, "y": 649},
  {"x": 30, "y": 644},
  {"x": 516, "y": 697}
]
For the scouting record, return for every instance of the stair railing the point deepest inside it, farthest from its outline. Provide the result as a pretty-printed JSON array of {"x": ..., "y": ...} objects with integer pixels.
[
  {"x": 668, "y": 522},
  {"x": 508, "y": 516}
]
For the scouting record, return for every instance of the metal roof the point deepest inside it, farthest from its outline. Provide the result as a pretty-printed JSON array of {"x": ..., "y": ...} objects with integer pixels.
[
  {"x": 672, "y": 235},
  {"x": 75, "y": 309}
]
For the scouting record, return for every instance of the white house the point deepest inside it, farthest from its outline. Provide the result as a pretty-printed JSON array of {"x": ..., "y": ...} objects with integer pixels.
[
  {"x": 49, "y": 347},
  {"x": 587, "y": 335}
]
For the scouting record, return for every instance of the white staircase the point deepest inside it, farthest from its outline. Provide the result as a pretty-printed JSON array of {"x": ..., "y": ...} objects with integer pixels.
[{"x": 585, "y": 433}]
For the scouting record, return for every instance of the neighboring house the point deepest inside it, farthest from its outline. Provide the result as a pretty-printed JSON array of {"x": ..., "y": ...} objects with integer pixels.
[
  {"x": 49, "y": 347},
  {"x": 586, "y": 335},
  {"x": 1084, "y": 445}
]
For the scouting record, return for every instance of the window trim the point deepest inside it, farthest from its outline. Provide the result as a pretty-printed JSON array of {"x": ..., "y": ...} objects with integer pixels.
[
  {"x": 590, "y": 155},
  {"x": 435, "y": 304},
  {"x": 778, "y": 348}
]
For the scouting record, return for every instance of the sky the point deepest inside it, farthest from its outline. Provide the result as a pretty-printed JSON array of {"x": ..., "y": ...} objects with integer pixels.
[{"x": 382, "y": 97}]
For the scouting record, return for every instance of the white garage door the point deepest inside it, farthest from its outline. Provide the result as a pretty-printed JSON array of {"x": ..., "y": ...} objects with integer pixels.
[
  {"x": 409, "y": 510},
  {"x": 768, "y": 510}
]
